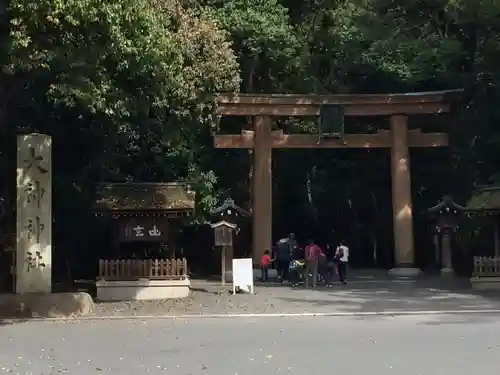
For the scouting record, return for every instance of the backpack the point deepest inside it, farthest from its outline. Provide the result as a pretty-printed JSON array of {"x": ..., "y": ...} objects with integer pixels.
[{"x": 339, "y": 254}]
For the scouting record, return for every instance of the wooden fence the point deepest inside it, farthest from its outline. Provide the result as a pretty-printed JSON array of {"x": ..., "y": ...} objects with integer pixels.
[
  {"x": 486, "y": 267},
  {"x": 131, "y": 269}
]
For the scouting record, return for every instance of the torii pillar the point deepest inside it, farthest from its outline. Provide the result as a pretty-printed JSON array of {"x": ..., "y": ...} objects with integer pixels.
[
  {"x": 262, "y": 192},
  {"x": 404, "y": 251}
]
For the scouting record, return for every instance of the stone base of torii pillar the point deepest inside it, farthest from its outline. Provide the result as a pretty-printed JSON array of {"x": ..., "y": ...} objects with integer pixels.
[
  {"x": 405, "y": 272},
  {"x": 447, "y": 272}
]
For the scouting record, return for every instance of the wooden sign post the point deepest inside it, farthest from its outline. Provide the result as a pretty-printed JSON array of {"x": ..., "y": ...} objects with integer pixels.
[
  {"x": 398, "y": 138},
  {"x": 223, "y": 238},
  {"x": 224, "y": 224}
]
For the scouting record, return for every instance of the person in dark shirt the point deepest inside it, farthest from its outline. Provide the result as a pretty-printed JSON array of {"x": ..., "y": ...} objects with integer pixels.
[
  {"x": 330, "y": 266},
  {"x": 287, "y": 249},
  {"x": 282, "y": 259},
  {"x": 293, "y": 246}
]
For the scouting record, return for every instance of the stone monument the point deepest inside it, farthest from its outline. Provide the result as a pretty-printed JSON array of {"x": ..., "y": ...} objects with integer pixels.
[
  {"x": 34, "y": 214},
  {"x": 33, "y": 296}
]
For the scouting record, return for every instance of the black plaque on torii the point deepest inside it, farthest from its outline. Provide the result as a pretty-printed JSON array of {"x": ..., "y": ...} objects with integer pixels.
[{"x": 331, "y": 122}]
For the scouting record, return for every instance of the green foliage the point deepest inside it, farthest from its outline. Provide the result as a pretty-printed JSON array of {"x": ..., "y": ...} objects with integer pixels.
[
  {"x": 268, "y": 47},
  {"x": 121, "y": 59}
]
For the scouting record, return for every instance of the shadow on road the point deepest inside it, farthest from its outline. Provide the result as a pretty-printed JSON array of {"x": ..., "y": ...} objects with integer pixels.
[
  {"x": 420, "y": 295},
  {"x": 7, "y": 322}
]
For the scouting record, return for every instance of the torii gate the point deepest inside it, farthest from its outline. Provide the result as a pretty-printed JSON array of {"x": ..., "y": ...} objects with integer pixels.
[{"x": 398, "y": 138}]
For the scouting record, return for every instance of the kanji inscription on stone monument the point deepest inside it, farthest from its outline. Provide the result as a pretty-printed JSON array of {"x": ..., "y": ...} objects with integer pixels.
[
  {"x": 34, "y": 214},
  {"x": 34, "y": 192}
]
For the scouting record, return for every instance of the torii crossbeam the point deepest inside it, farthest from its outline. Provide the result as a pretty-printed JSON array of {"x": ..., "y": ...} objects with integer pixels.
[{"x": 398, "y": 138}]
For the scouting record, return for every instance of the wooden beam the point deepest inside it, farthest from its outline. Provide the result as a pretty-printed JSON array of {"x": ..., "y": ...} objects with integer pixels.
[
  {"x": 343, "y": 99},
  {"x": 238, "y": 109},
  {"x": 355, "y": 105},
  {"x": 380, "y": 140}
]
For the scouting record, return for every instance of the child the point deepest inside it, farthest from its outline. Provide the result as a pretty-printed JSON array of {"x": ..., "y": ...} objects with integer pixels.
[
  {"x": 296, "y": 270},
  {"x": 265, "y": 264}
]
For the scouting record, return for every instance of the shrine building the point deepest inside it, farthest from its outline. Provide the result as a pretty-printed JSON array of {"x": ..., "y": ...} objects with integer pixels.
[{"x": 143, "y": 217}]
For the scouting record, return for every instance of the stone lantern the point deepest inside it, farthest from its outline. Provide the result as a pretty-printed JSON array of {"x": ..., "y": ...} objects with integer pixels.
[
  {"x": 225, "y": 225},
  {"x": 445, "y": 217}
]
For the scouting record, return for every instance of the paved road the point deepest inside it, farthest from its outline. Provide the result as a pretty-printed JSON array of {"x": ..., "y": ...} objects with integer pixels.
[{"x": 432, "y": 345}]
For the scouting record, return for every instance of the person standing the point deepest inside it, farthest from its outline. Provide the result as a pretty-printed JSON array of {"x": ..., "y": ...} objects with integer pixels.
[
  {"x": 293, "y": 247},
  {"x": 312, "y": 255},
  {"x": 342, "y": 257},
  {"x": 282, "y": 259},
  {"x": 265, "y": 263},
  {"x": 323, "y": 268},
  {"x": 286, "y": 248}
]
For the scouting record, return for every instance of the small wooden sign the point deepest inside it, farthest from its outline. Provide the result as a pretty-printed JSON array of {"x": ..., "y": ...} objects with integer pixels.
[
  {"x": 223, "y": 233},
  {"x": 143, "y": 228}
]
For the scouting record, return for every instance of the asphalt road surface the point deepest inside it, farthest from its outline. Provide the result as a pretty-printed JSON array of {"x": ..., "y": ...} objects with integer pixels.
[{"x": 409, "y": 345}]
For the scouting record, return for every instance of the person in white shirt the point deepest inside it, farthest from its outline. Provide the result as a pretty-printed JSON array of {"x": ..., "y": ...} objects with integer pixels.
[{"x": 342, "y": 257}]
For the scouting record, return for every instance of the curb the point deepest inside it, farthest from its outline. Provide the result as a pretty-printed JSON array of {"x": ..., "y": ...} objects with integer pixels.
[
  {"x": 261, "y": 315},
  {"x": 399, "y": 280}
]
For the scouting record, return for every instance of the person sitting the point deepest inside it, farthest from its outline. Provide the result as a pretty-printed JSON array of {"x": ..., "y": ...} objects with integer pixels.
[{"x": 296, "y": 269}]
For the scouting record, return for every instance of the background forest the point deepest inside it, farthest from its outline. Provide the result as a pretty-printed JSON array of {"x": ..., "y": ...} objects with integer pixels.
[{"x": 127, "y": 90}]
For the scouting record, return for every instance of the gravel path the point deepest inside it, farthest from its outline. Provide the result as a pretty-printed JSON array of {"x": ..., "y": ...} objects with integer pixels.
[{"x": 358, "y": 296}]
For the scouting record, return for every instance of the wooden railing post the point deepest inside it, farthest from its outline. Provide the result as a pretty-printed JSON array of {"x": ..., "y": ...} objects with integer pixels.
[{"x": 136, "y": 268}]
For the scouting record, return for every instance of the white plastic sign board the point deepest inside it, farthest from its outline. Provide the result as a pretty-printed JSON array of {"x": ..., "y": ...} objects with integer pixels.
[{"x": 243, "y": 275}]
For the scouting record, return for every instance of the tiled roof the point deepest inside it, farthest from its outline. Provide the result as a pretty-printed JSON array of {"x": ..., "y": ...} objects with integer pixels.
[
  {"x": 485, "y": 198},
  {"x": 171, "y": 196}
]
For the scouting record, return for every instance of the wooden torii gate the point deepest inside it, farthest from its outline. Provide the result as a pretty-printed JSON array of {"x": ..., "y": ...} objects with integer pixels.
[{"x": 398, "y": 138}]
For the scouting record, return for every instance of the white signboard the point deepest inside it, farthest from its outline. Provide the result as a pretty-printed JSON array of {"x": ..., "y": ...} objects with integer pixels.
[{"x": 243, "y": 275}]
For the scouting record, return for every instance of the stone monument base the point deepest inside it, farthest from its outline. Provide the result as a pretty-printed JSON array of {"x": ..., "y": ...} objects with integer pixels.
[
  {"x": 405, "y": 272},
  {"x": 142, "y": 289},
  {"x": 56, "y": 305}
]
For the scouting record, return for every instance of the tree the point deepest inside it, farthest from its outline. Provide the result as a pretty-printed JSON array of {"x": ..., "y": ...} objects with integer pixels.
[
  {"x": 268, "y": 48},
  {"x": 126, "y": 89},
  {"x": 121, "y": 72}
]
